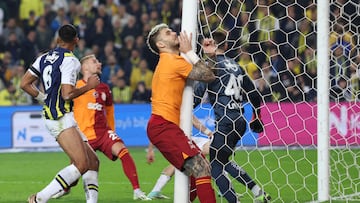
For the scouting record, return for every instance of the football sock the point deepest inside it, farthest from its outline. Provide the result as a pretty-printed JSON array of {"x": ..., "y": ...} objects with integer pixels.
[
  {"x": 62, "y": 180},
  {"x": 193, "y": 192},
  {"x": 205, "y": 190},
  {"x": 161, "y": 182},
  {"x": 129, "y": 167},
  {"x": 90, "y": 181}
]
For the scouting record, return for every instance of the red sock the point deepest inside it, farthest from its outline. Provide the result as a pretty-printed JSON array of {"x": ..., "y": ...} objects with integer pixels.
[
  {"x": 193, "y": 193},
  {"x": 129, "y": 167},
  {"x": 204, "y": 190}
]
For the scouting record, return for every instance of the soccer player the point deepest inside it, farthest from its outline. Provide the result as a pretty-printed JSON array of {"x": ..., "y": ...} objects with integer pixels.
[
  {"x": 226, "y": 94},
  {"x": 202, "y": 142},
  {"x": 58, "y": 71},
  {"x": 168, "y": 85},
  {"x": 94, "y": 112}
]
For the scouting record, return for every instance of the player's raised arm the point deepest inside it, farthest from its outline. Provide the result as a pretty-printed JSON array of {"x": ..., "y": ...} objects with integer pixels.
[{"x": 201, "y": 71}]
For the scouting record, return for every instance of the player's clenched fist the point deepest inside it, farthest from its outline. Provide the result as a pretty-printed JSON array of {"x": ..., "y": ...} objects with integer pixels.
[
  {"x": 209, "y": 46},
  {"x": 93, "y": 81}
]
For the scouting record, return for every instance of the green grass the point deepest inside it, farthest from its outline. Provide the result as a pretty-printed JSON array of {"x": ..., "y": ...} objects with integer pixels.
[{"x": 288, "y": 175}]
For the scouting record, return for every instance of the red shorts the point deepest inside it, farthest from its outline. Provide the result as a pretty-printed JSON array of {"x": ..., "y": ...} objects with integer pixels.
[
  {"x": 171, "y": 141},
  {"x": 104, "y": 141}
]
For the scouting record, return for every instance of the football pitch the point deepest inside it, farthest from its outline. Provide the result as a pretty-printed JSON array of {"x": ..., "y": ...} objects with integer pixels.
[{"x": 288, "y": 175}]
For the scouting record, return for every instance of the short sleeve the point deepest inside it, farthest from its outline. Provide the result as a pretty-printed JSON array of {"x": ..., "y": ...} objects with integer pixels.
[
  {"x": 69, "y": 69},
  {"x": 35, "y": 67}
]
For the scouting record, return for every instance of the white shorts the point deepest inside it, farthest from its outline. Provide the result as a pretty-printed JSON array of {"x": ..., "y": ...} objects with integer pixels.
[
  {"x": 200, "y": 141},
  {"x": 55, "y": 127}
]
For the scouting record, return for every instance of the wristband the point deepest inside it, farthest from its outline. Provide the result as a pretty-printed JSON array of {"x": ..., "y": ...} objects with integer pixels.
[
  {"x": 207, "y": 131},
  {"x": 40, "y": 97},
  {"x": 191, "y": 55}
]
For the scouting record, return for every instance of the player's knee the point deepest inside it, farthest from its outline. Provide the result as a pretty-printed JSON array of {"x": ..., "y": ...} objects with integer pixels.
[{"x": 94, "y": 164}]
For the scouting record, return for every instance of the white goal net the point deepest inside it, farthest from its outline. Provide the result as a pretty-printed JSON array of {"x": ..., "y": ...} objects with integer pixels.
[{"x": 275, "y": 41}]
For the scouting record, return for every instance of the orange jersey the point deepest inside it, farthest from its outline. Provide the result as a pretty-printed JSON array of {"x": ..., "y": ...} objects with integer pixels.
[
  {"x": 168, "y": 85},
  {"x": 94, "y": 110}
]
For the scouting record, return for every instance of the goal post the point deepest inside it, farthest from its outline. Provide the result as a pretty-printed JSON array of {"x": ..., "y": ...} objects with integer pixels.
[
  {"x": 188, "y": 24},
  {"x": 323, "y": 170}
]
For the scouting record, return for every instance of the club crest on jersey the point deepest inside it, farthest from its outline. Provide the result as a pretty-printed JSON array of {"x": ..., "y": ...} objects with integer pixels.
[
  {"x": 103, "y": 96},
  {"x": 52, "y": 58},
  {"x": 96, "y": 94}
]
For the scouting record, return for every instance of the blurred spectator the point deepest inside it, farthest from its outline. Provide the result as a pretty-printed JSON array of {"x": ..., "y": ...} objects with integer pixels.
[
  {"x": 30, "y": 23},
  {"x": 81, "y": 49},
  {"x": 120, "y": 91},
  {"x": 21, "y": 97},
  {"x": 59, "y": 20},
  {"x": 4, "y": 15},
  {"x": 132, "y": 28},
  {"x": 122, "y": 15},
  {"x": 141, "y": 73},
  {"x": 263, "y": 86},
  {"x": 339, "y": 65},
  {"x": 117, "y": 30},
  {"x": 12, "y": 27},
  {"x": 340, "y": 92},
  {"x": 99, "y": 34},
  {"x": 131, "y": 62},
  {"x": 108, "y": 50},
  {"x": 277, "y": 62},
  {"x": 266, "y": 23},
  {"x": 7, "y": 66},
  {"x": 26, "y": 6},
  {"x": 355, "y": 77},
  {"x": 110, "y": 69},
  {"x": 29, "y": 49},
  {"x": 288, "y": 27},
  {"x": 7, "y": 95},
  {"x": 134, "y": 8},
  {"x": 44, "y": 36},
  {"x": 57, "y": 4},
  {"x": 306, "y": 36},
  {"x": 141, "y": 94},
  {"x": 165, "y": 13},
  {"x": 247, "y": 64},
  {"x": 13, "y": 46}
]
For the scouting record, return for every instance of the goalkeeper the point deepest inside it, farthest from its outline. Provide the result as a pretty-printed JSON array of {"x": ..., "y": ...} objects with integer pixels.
[{"x": 227, "y": 94}]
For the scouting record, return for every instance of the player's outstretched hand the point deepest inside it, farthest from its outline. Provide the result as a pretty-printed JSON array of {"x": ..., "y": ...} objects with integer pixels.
[
  {"x": 93, "y": 81},
  {"x": 209, "y": 46},
  {"x": 256, "y": 125},
  {"x": 185, "y": 42}
]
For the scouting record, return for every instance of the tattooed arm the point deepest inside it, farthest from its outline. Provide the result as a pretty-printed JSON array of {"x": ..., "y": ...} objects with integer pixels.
[{"x": 201, "y": 71}]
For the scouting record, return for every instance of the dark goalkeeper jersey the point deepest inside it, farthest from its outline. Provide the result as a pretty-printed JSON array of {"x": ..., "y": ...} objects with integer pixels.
[{"x": 227, "y": 93}]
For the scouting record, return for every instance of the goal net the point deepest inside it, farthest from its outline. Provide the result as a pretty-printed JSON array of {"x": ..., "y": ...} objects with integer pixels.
[{"x": 275, "y": 42}]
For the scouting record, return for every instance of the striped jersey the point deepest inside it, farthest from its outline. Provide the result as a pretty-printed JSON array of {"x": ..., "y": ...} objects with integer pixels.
[
  {"x": 58, "y": 66},
  {"x": 94, "y": 110}
]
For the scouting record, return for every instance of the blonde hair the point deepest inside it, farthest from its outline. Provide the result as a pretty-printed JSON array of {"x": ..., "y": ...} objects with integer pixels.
[
  {"x": 86, "y": 57},
  {"x": 151, "y": 38}
]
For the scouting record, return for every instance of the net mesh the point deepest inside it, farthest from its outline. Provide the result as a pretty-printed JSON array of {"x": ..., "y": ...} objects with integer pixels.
[{"x": 274, "y": 41}]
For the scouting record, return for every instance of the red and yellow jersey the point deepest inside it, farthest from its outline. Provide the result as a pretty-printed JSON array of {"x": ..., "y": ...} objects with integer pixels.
[
  {"x": 94, "y": 110},
  {"x": 168, "y": 85}
]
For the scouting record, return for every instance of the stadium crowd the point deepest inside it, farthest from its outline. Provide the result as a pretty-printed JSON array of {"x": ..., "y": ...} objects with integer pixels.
[{"x": 275, "y": 41}]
